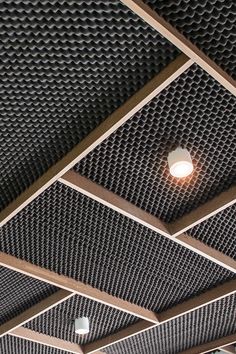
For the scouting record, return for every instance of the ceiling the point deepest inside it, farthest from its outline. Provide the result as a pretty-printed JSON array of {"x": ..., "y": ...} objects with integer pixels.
[{"x": 93, "y": 97}]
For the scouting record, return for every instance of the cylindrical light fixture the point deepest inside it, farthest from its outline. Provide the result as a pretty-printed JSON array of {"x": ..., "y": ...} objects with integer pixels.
[
  {"x": 82, "y": 325},
  {"x": 180, "y": 163}
]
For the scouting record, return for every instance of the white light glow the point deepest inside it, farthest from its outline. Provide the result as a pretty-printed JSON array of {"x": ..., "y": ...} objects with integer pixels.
[{"x": 181, "y": 169}]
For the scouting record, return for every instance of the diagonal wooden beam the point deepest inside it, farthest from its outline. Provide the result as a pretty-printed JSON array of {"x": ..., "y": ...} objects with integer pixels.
[
  {"x": 179, "y": 310},
  {"x": 203, "y": 212},
  {"x": 187, "y": 47},
  {"x": 102, "y": 195},
  {"x": 113, "y": 201},
  {"x": 215, "y": 294},
  {"x": 75, "y": 286},
  {"x": 44, "y": 339},
  {"x": 121, "y": 335},
  {"x": 34, "y": 311},
  {"x": 228, "y": 349},
  {"x": 210, "y": 346},
  {"x": 206, "y": 251},
  {"x": 106, "y": 128}
]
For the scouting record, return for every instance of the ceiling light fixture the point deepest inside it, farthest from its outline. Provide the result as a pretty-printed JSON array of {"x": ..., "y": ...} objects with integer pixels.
[
  {"x": 82, "y": 325},
  {"x": 180, "y": 163}
]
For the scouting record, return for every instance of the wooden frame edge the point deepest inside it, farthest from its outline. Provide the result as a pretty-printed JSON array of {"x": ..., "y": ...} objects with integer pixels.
[
  {"x": 215, "y": 294},
  {"x": 206, "y": 251},
  {"x": 75, "y": 287},
  {"x": 210, "y": 346},
  {"x": 181, "y": 42},
  {"x": 117, "y": 337},
  {"x": 106, "y": 128},
  {"x": 35, "y": 311},
  {"x": 53, "y": 342},
  {"x": 102, "y": 195},
  {"x": 203, "y": 212},
  {"x": 230, "y": 349}
]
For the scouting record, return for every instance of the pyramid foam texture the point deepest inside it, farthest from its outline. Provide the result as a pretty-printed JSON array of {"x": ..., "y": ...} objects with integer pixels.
[
  {"x": 80, "y": 238},
  {"x": 201, "y": 326},
  {"x": 219, "y": 232},
  {"x": 64, "y": 67},
  {"x": 209, "y": 24},
  {"x": 194, "y": 112},
  {"x": 13, "y": 345},
  {"x": 19, "y": 292},
  {"x": 59, "y": 321}
]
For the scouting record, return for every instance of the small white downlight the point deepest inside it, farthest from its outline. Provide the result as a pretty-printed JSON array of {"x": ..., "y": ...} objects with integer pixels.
[
  {"x": 82, "y": 325},
  {"x": 180, "y": 163}
]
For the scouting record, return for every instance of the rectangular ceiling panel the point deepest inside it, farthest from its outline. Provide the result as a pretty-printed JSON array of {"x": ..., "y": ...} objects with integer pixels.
[{"x": 67, "y": 232}]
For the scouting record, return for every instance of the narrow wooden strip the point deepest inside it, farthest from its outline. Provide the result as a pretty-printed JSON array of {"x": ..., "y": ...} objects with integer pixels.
[
  {"x": 123, "y": 334},
  {"x": 112, "y": 200},
  {"x": 203, "y": 212},
  {"x": 208, "y": 252},
  {"x": 75, "y": 286},
  {"x": 210, "y": 346},
  {"x": 34, "y": 311},
  {"x": 106, "y": 197},
  {"x": 199, "y": 301},
  {"x": 228, "y": 349},
  {"x": 106, "y": 128},
  {"x": 44, "y": 339},
  {"x": 169, "y": 32}
]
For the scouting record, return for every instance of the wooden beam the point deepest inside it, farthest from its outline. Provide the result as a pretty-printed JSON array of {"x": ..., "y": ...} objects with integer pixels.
[
  {"x": 207, "y": 252},
  {"x": 215, "y": 294},
  {"x": 203, "y": 212},
  {"x": 34, "y": 311},
  {"x": 106, "y": 128},
  {"x": 210, "y": 346},
  {"x": 106, "y": 197},
  {"x": 228, "y": 349},
  {"x": 75, "y": 286},
  {"x": 187, "y": 47},
  {"x": 102, "y": 195},
  {"x": 179, "y": 310},
  {"x": 119, "y": 336},
  {"x": 44, "y": 339}
]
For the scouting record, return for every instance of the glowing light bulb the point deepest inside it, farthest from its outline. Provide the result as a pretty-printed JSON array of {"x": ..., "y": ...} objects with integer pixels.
[{"x": 180, "y": 163}]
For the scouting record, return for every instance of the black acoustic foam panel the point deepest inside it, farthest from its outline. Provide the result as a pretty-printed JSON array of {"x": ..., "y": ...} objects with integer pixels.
[
  {"x": 209, "y": 24},
  {"x": 19, "y": 292},
  {"x": 13, "y": 345},
  {"x": 193, "y": 112},
  {"x": 59, "y": 321},
  {"x": 219, "y": 232},
  {"x": 201, "y": 326},
  {"x": 78, "y": 237},
  {"x": 64, "y": 67}
]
